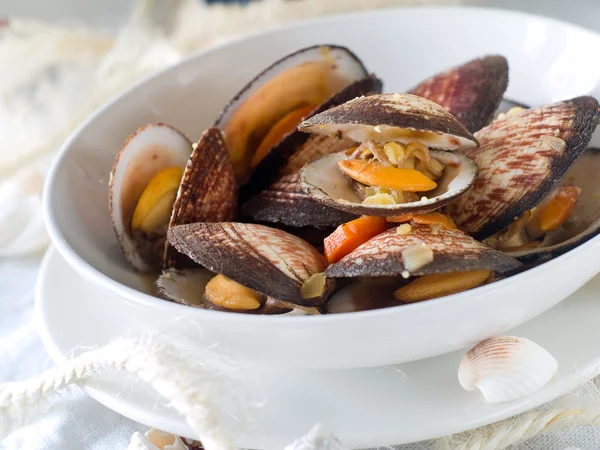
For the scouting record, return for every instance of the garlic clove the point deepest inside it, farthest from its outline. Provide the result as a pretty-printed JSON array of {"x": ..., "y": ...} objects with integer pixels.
[{"x": 506, "y": 368}]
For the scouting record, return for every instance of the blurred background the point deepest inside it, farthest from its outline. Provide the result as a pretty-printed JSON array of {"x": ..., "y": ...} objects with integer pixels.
[{"x": 111, "y": 13}]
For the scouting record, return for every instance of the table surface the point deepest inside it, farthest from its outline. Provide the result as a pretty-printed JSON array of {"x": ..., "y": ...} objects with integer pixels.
[{"x": 75, "y": 421}]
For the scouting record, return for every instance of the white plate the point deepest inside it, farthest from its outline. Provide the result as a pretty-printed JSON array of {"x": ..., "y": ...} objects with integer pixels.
[
  {"x": 549, "y": 60},
  {"x": 364, "y": 407}
]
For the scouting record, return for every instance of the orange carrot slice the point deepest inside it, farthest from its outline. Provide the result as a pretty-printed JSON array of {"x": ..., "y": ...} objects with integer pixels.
[
  {"x": 559, "y": 209},
  {"x": 278, "y": 132},
  {"x": 435, "y": 218},
  {"x": 349, "y": 236},
  {"x": 426, "y": 219},
  {"x": 373, "y": 174}
]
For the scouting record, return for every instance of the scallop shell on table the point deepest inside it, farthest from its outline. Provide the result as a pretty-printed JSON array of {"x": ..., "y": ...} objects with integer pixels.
[
  {"x": 471, "y": 91},
  {"x": 521, "y": 158},
  {"x": 506, "y": 368},
  {"x": 150, "y": 149},
  {"x": 268, "y": 260},
  {"x": 207, "y": 193},
  {"x": 309, "y": 76},
  {"x": 584, "y": 222},
  {"x": 451, "y": 250}
]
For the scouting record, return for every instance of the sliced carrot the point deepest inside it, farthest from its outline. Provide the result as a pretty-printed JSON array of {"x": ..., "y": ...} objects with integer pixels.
[
  {"x": 426, "y": 219},
  {"x": 435, "y": 218},
  {"x": 349, "y": 236},
  {"x": 559, "y": 209},
  {"x": 373, "y": 174},
  {"x": 278, "y": 131}
]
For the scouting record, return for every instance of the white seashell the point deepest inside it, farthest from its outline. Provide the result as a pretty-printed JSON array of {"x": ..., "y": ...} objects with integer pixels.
[
  {"x": 506, "y": 368},
  {"x": 156, "y": 440}
]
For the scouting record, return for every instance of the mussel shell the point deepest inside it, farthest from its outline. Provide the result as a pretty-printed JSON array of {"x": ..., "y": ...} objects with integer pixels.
[
  {"x": 207, "y": 193},
  {"x": 471, "y": 92},
  {"x": 392, "y": 117},
  {"x": 323, "y": 181},
  {"x": 453, "y": 251},
  {"x": 346, "y": 66},
  {"x": 585, "y": 219},
  {"x": 297, "y": 143},
  {"x": 285, "y": 202},
  {"x": 268, "y": 260},
  {"x": 151, "y": 148},
  {"x": 518, "y": 166}
]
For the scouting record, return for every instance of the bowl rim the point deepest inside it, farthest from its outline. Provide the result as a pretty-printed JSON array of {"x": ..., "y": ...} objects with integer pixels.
[{"x": 89, "y": 272}]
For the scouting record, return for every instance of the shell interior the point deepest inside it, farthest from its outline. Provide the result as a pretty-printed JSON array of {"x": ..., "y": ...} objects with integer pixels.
[
  {"x": 584, "y": 223},
  {"x": 184, "y": 286},
  {"x": 150, "y": 149},
  {"x": 307, "y": 77},
  {"x": 323, "y": 181}
]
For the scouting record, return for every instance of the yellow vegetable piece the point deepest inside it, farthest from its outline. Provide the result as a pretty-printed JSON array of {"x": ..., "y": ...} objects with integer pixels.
[
  {"x": 559, "y": 209},
  {"x": 286, "y": 125},
  {"x": 440, "y": 284},
  {"x": 156, "y": 202},
  {"x": 226, "y": 293},
  {"x": 373, "y": 174}
]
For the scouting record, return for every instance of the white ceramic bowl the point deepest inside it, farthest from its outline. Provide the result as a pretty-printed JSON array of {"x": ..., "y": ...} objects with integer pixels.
[{"x": 549, "y": 61}]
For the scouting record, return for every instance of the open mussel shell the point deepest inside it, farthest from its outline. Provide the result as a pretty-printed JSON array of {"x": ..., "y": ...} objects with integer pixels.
[
  {"x": 452, "y": 250},
  {"x": 207, "y": 193},
  {"x": 284, "y": 201},
  {"x": 521, "y": 158},
  {"x": 149, "y": 150},
  {"x": 471, "y": 92},
  {"x": 325, "y": 183},
  {"x": 187, "y": 287},
  {"x": 301, "y": 81},
  {"x": 392, "y": 117},
  {"x": 267, "y": 260},
  {"x": 296, "y": 147},
  {"x": 584, "y": 222}
]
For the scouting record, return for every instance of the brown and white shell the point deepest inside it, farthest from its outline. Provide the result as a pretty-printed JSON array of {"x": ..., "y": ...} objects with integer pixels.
[
  {"x": 268, "y": 260},
  {"x": 207, "y": 193},
  {"x": 392, "y": 117},
  {"x": 521, "y": 158},
  {"x": 471, "y": 91},
  {"x": 285, "y": 202},
  {"x": 449, "y": 250}
]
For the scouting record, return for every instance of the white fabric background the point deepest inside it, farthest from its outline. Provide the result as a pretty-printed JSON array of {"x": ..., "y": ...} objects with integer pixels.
[{"x": 77, "y": 422}]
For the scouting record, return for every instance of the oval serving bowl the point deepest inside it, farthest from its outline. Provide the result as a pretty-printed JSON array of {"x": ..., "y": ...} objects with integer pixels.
[{"x": 549, "y": 61}]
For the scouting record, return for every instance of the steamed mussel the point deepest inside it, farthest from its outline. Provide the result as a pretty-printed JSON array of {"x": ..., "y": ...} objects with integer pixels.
[{"x": 418, "y": 195}]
